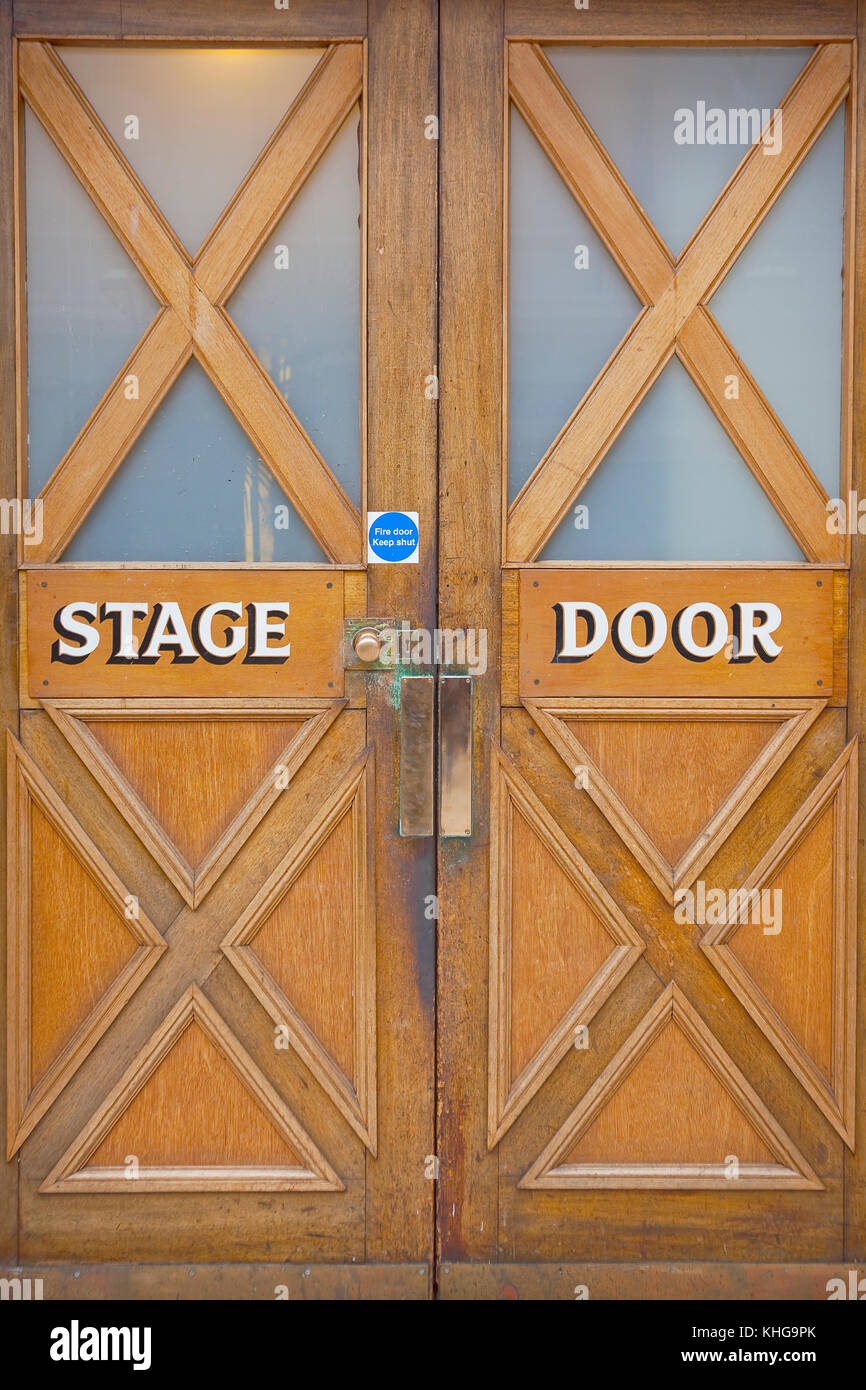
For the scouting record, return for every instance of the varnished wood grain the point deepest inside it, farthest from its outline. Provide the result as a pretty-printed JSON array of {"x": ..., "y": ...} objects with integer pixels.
[
  {"x": 306, "y": 946},
  {"x": 673, "y": 777},
  {"x": 669, "y": 1111},
  {"x": 401, "y": 246},
  {"x": 855, "y": 1164},
  {"x": 803, "y": 993},
  {"x": 9, "y": 351},
  {"x": 229, "y": 1225},
  {"x": 642, "y": 1224},
  {"x": 189, "y": 1120},
  {"x": 79, "y": 944},
  {"x": 683, "y": 21},
  {"x": 550, "y": 969},
  {"x": 470, "y": 454}
]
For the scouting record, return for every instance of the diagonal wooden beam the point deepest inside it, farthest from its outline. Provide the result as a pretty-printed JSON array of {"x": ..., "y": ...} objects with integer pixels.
[
  {"x": 733, "y": 219},
  {"x": 281, "y": 170},
  {"x": 128, "y": 209},
  {"x": 100, "y": 448},
  {"x": 588, "y": 171},
  {"x": 758, "y": 434}
]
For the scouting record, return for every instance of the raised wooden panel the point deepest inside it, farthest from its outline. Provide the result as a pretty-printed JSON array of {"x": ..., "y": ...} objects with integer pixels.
[
  {"x": 79, "y": 944},
  {"x": 193, "y": 779},
  {"x": 306, "y": 947},
  {"x": 674, "y": 777},
  {"x": 559, "y": 945},
  {"x": 671, "y": 1110},
  {"x": 797, "y": 979},
  {"x": 193, "y": 1112}
]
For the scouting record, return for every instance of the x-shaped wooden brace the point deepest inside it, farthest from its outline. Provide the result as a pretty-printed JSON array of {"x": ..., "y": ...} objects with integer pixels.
[
  {"x": 675, "y": 318},
  {"x": 193, "y": 320}
]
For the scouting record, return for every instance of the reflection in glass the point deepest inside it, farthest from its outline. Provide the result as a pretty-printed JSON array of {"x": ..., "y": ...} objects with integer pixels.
[{"x": 191, "y": 121}]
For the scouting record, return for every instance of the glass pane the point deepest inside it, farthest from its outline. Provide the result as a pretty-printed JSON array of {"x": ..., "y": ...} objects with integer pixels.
[
  {"x": 87, "y": 305},
  {"x": 781, "y": 305},
  {"x": 673, "y": 487},
  {"x": 299, "y": 306},
  {"x": 569, "y": 304},
  {"x": 193, "y": 488},
  {"x": 203, "y": 116},
  {"x": 645, "y": 103}
]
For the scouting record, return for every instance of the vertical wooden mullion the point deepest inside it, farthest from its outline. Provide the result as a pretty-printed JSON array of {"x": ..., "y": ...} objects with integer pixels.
[
  {"x": 9, "y": 489},
  {"x": 855, "y": 1163},
  {"x": 470, "y": 463},
  {"x": 401, "y": 474}
]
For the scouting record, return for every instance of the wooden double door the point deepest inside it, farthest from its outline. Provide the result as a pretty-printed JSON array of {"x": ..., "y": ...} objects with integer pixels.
[{"x": 519, "y": 958}]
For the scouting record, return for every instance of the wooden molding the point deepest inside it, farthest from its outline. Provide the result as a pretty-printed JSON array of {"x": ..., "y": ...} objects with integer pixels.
[
  {"x": 794, "y": 717},
  {"x": 71, "y": 1173},
  {"x": 27, "y": 1102},
  {"x": 791, "y": 1171},
  {"x": 675, "y": 317},
  {"x": 355, "y": 1097},
  {"x": 838, "y": 788},
  {"x": 196, "y": 321},
  {"x": 73, "y": 717},
  {"x": 508, "y": 1095}
]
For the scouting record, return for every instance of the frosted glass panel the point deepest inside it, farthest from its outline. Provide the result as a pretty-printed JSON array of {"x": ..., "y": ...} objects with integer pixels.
[
  {"x": 87, "y": 305},
  {"x": 673, "y": 487},
  {"x": 193, "y": 488},
  {"x": 781, "y": 305},
  {"x": 631, "y": 97},
  {"x": 569, "y": 304},
  {"x": 203, "y": 114},
  {"x": 299, "y": 307}
]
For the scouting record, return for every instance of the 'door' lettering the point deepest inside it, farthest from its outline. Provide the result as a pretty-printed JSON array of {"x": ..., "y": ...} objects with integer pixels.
[{"x": 698, "y": 632}]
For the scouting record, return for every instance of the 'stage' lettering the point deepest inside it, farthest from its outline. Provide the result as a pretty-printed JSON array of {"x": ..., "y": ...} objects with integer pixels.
[{"x": 139, "y": 636}]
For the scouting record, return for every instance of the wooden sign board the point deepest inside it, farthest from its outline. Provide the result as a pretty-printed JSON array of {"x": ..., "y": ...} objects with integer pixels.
[
  {"x": 666, "y": 632},
  {"x": 171, "y": 632}
]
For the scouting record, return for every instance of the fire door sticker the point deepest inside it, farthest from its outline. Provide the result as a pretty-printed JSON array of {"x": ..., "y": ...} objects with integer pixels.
[{"x": 393, "y": 538}]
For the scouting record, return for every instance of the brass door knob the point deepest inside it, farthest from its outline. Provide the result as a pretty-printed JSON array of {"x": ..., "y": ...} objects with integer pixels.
[{"x": 367, "y": 644}]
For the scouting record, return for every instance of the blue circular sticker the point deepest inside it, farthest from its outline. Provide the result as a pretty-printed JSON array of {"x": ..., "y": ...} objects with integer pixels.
[{"x": 393, "y": 536}]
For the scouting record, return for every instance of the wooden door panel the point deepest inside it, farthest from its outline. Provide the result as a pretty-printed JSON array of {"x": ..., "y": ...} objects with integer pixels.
[
  {"x": 200, "y": 1017},
  {"x": 763, "y": 1096}
]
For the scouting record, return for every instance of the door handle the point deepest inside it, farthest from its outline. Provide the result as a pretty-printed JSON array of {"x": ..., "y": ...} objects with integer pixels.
[
  {"x": 455, "y": 756},
  {"x": 417, "y": 756}
]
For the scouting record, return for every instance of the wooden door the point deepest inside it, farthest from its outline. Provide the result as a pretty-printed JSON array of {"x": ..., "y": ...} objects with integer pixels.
[
  {"x": 648, "y": 955},
  {"x": 219, "y": 1045}
]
